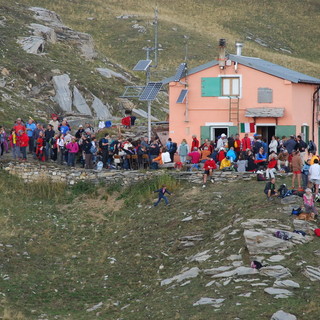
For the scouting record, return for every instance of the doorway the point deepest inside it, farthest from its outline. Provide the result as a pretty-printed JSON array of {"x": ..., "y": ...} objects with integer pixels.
[
  {"x": 218, "y": 131},
  {"x": 266, "y": 132}
]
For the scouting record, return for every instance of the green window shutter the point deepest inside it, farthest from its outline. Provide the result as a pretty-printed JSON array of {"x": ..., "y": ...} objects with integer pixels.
[
  {"x": 205, "y": 133},
  {"x": 211, "y": 87},
  {"x": 233, "y": 130},
  {"x": 305, "y": 131},
  {"x": 285, "y": 131},
  {"x": 307, "y": 134}
]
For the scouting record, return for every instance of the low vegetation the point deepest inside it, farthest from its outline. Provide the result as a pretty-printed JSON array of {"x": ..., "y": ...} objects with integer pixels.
[{"x": 62, "y": 255}]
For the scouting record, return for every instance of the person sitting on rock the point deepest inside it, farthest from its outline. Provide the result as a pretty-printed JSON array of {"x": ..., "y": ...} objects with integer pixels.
[
  {"x": 231, "y": 154},
  {"x": 272, "y": 164},
  {"x": 308, "y": 201},
  {"x": 226, "y": 164},
  {"x": 209, "y": 166},
  {"x": 205, "y": 153},
  {"x": 195, "y": 158},
  {"x": 270, "y": 188}
]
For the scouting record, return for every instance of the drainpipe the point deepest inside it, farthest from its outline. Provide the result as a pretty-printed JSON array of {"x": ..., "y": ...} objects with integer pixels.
[{"x": 315, "y": 97}]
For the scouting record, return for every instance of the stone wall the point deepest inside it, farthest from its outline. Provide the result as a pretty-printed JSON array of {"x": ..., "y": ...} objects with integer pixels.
[{"x": 31, "y": 172}]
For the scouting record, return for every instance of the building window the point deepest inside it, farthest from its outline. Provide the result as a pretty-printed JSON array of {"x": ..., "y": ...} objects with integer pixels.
[
  {"x": 265, "y": 95},
  {"x": 230, "y": 86}
]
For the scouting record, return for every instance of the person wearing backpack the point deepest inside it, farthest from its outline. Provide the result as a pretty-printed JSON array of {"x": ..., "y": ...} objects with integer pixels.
[
  {"x": 172, "y": 150},
  {"x": 305, "y": 173},
  {"x": 183, "y": 151}
]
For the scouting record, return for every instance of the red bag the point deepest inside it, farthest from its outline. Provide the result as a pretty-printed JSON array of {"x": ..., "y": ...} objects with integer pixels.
[{"x": 317, "y": 232}]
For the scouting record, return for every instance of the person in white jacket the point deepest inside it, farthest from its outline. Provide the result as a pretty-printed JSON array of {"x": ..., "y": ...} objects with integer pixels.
[
  {"x": 314, "y": 176},
  {"x": 273, "y": 145}
]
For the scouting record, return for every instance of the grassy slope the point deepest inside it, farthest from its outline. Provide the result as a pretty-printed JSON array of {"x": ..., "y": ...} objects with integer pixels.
[
  {"x": 61, "y": 245},
  {"x": 290, "y": 25}
]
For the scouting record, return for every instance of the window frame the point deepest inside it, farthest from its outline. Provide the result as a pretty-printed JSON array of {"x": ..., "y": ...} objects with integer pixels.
[{"x": 231, "y": 76}]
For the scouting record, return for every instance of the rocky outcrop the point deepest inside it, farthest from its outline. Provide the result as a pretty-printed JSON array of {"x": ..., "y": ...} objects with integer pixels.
[
  {"x": 47, "y": 33},
  {"x": 52, "y": 20},
  {"x": 32, "y": 44}
]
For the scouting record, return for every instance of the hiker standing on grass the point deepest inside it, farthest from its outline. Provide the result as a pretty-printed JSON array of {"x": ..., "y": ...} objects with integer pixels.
[
  {"x": 296, "y": 165},
  {"x": 161, "y": 195}
]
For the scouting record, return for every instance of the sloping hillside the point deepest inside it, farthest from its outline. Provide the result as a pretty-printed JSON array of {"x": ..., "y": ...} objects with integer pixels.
[
  {"x": 284, "y": 32},
  {"x": 85, "y": 252}
]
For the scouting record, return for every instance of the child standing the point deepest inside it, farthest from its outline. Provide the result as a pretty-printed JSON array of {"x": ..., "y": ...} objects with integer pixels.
[
  {"x": 308, "y": 202},
  {"x": 161, "y": 195}
]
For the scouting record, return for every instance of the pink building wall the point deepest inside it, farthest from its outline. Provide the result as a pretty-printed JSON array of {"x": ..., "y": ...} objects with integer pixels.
[{"x": 295, "y": 98}]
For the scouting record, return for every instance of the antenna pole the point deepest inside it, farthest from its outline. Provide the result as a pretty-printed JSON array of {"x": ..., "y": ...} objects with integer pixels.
[
  {"x": 149, "y": 102},
  {"x": 156, "y": 36}
]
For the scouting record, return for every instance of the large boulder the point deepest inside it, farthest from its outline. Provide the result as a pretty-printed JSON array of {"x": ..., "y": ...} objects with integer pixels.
[
  {"x": 47, "y": 33},
  {"x": 32, "y": 44},
  {"x": 80, "y": 103},
  {"x": 63, "y": 94},
  {"x": 281, "y": 315},
  {"x": 102, "y": 111}
]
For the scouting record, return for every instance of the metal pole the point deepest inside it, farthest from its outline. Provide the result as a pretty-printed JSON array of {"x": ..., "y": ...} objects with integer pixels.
[
  {"x": 149, "y": 121},
  {"x": 149, "y": 102}
]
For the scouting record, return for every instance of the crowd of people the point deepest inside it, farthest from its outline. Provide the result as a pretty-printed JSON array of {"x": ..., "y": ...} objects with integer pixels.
[{"x": 60, "y": 143}]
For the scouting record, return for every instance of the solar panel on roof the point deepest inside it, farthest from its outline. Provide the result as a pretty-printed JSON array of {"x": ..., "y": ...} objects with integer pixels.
[
  {"x": 180, "y": 72},
  {"x": 142, "y": 65},
  {"x": 182, "y": 95},
  {"x": 150, "y": 91}
]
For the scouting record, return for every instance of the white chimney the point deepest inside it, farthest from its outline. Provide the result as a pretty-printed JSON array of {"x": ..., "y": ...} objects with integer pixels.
[{"x": 239, "y": 46}]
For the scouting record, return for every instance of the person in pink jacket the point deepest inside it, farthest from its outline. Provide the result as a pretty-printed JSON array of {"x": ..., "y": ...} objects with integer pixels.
[{"x": 73, "y": 149}]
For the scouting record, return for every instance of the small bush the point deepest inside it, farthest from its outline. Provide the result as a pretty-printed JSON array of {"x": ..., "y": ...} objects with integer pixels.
[
  {"x": 83, "y": 187},
  {"x": 143, "y": 191}
]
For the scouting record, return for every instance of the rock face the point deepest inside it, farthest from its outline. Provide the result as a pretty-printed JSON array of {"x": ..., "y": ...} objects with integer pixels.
[
  {"x": 108, "y": 73},
  {"x": 278, "y": 272},
  {"x": 312, "y": 273},
  {"x": 281, "y": 315},
  {"x": 63, "y": 94},
  {"x": 80, "y": 103},
  {"x": 188, "y": 274},
  {"x": 278, "y": 293},
  {"x": 214, "y": 302},
  {"x": 47, "y": 33},
  {"x": 143, "y": 114},
  {"x": 102, "y": 111},
  {"x": 82, "y": 40},
  {"x": 286, "y": 284},
  {"x": 32, "y": 44},
  {"x": 263, "y": 242}
]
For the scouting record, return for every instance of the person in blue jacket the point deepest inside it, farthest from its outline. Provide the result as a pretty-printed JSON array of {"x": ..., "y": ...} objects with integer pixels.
[{"x": 161, "y": 194}]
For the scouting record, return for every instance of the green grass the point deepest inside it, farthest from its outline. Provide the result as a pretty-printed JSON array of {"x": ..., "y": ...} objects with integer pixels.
[{"x": 59, "y": 252}]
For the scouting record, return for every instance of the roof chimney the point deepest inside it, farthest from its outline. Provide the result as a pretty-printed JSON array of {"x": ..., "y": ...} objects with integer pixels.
[
  {"x": 239, "y": 46},
  {"x": 222, "y": 53}
]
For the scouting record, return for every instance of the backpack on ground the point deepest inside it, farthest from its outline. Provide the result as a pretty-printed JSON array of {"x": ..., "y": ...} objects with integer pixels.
[
  {"x": 256, "y": 265},
  {"x": 296, "y": 211},
  {"x": 283, "y": 190},
  {"x": 282, "y": 235}
]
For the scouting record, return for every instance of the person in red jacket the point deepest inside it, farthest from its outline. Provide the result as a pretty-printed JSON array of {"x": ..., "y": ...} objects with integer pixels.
[
  {"x": 40, "y": 147},
  {"x": 208, "y": 167},
  {"x": 195, "y": 143},
  {"x": 23, "y": 142},
  {"x": 221, "y": 155},
  {"x": 19, "y": 126},
  {"x": 126, "y": 122},
  {"x": 245, "y": 143}
]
